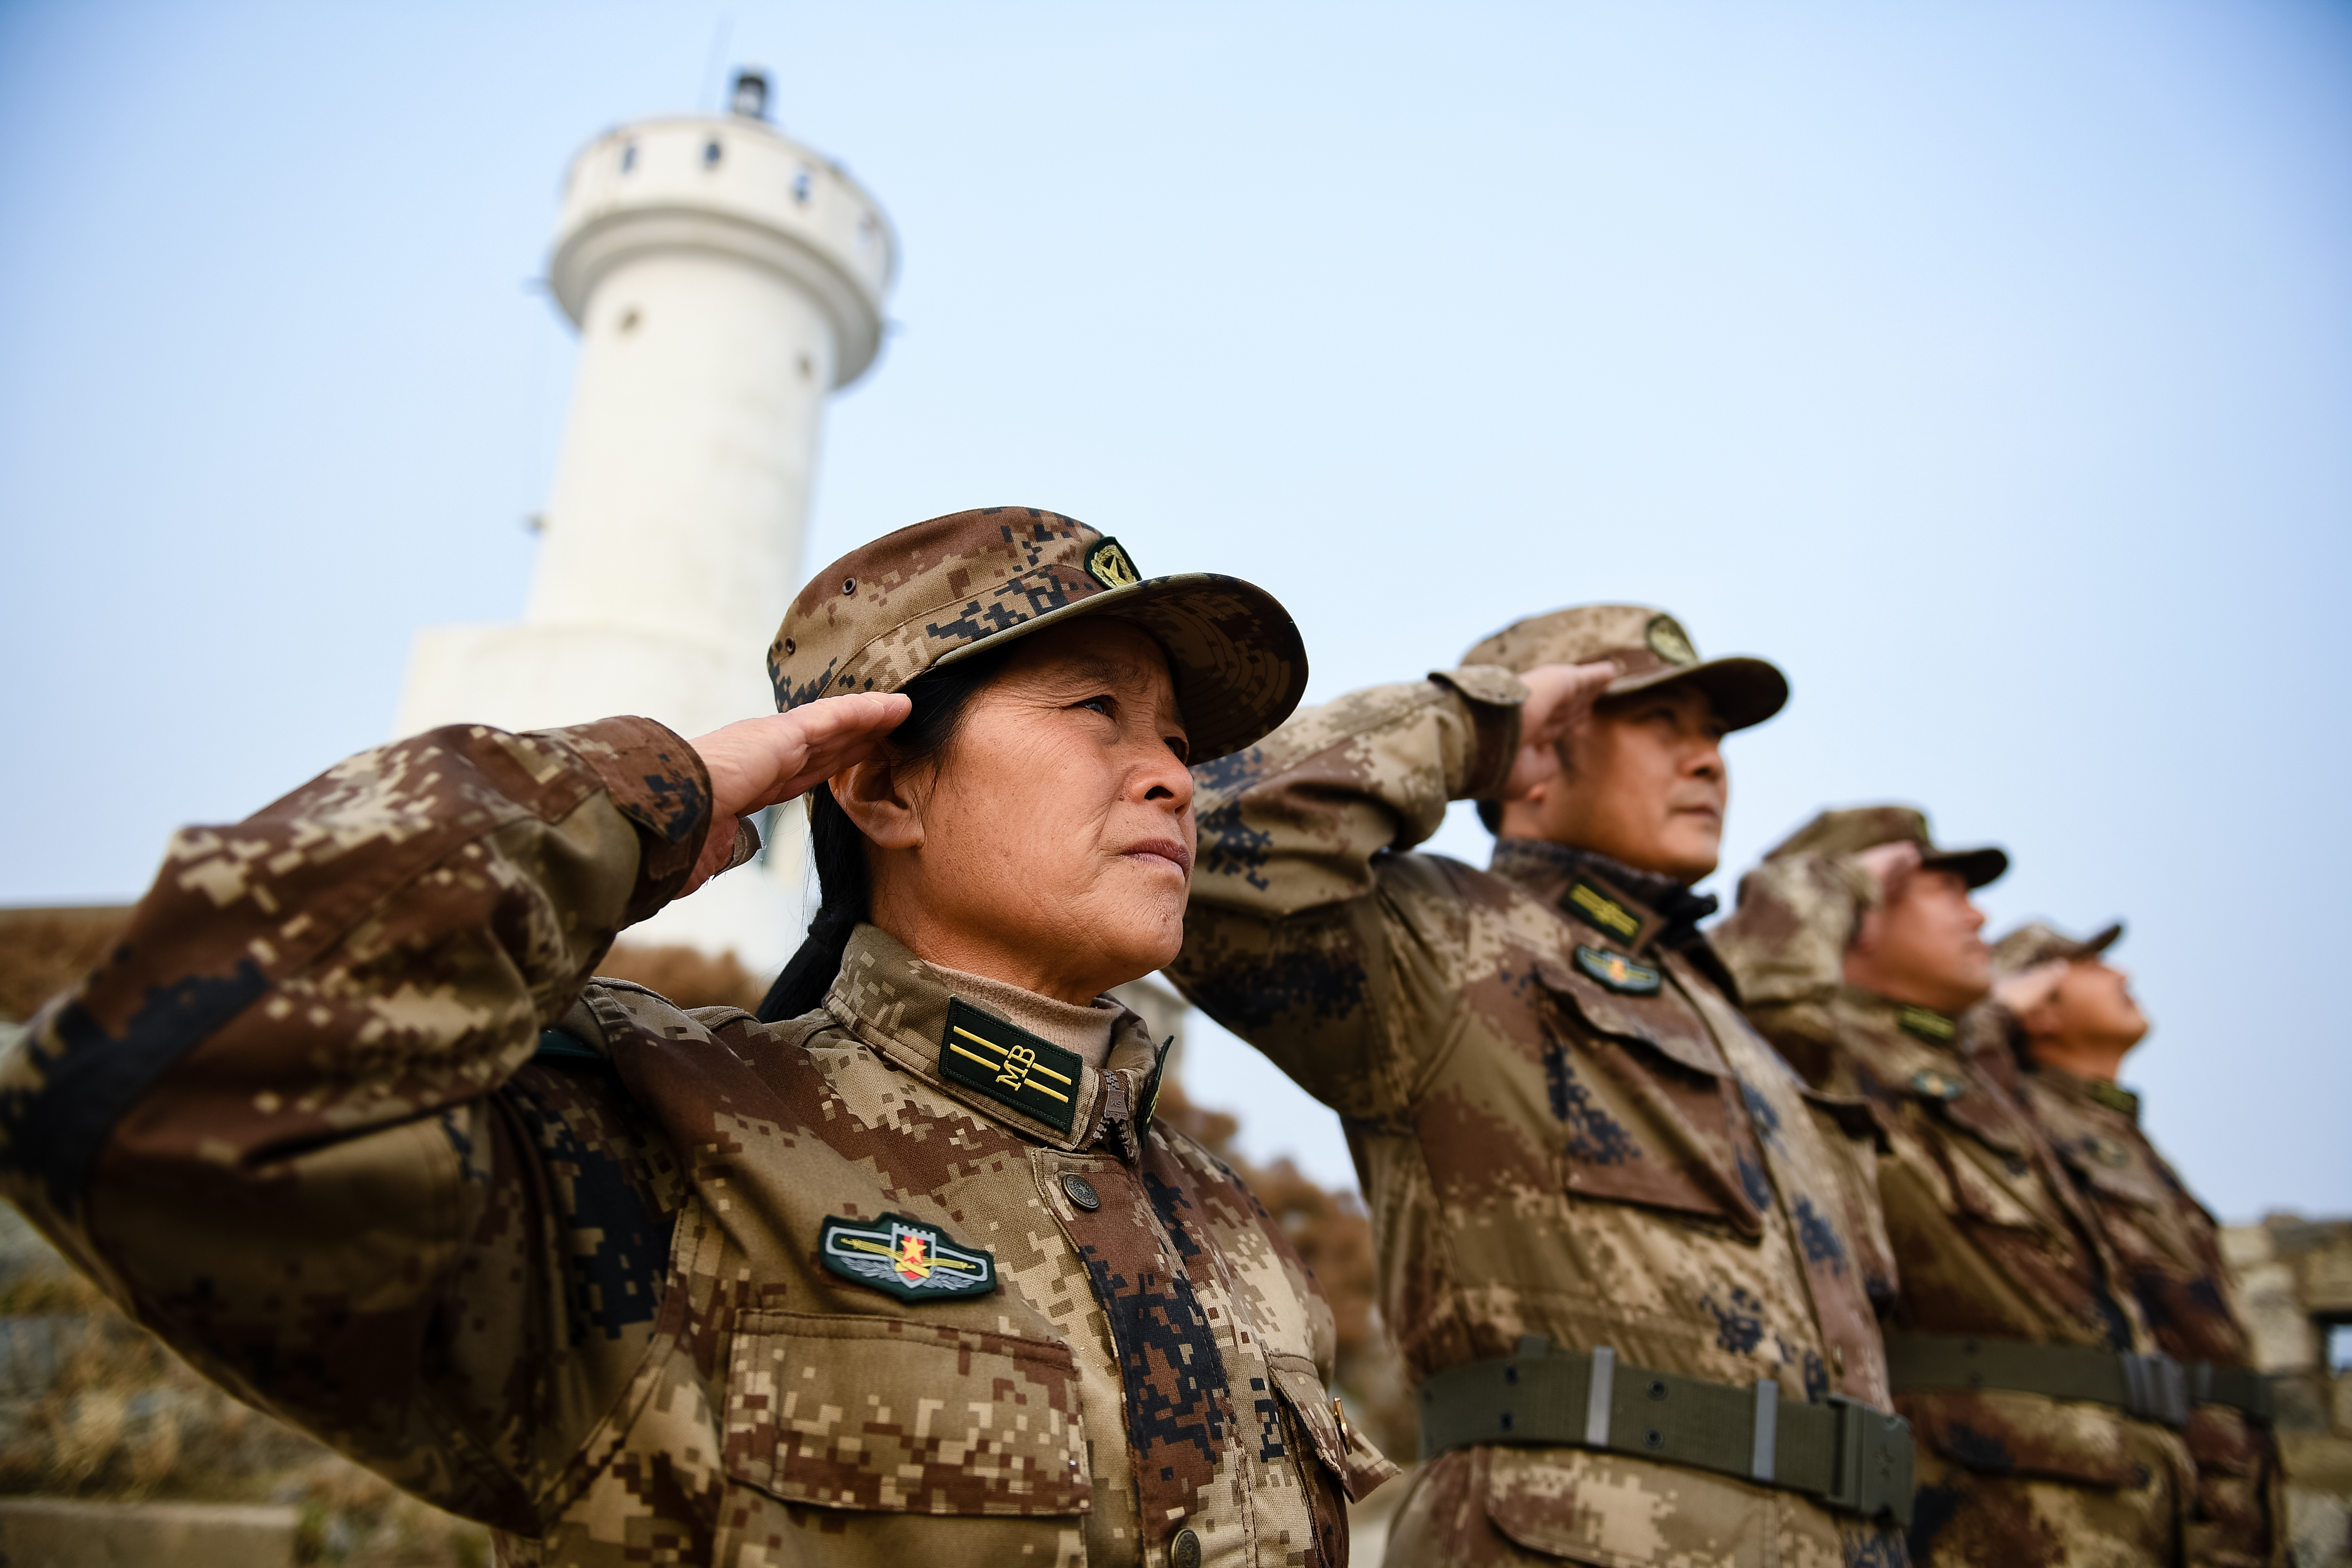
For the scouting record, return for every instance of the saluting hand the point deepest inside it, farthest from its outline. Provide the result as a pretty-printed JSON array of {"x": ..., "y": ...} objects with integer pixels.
[
  {"x": 756, "y": 763},
  {"x": 1560, "y": 701}
]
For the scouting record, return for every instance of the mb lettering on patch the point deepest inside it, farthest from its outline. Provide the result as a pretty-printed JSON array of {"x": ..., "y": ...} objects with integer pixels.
[
  {"x": 1602, "y": 912},
  {"x": 904, "y": 1257},
  {"x": 1922, "y": 1024},
  {"x": 1010, "y": 1065}
]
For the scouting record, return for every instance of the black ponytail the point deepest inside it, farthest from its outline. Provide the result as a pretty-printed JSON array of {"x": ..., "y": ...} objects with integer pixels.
[{"x": 838, "y": 850}]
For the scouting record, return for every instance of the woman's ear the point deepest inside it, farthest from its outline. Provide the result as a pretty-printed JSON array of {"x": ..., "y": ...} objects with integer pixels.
[{"x": 875, "y": 795}]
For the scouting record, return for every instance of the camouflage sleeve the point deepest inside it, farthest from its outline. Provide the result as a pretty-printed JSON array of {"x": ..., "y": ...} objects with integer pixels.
[
  {"x": 1786, "y": 940},
  {"x": 1303, "y": 936},
  {"x": 284, "y": 1123}
]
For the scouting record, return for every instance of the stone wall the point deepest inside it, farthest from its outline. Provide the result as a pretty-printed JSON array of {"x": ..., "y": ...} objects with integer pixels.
[{"x": 2295, "y": 1278}]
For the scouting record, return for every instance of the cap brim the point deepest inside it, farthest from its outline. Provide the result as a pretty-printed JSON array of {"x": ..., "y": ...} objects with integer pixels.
[
  {"x": 1743, "y": 691},
  {"x": 1238, "y": 660},
  {"x": 2094, "y": 945},
  {"x": 1974, "y": 867}
]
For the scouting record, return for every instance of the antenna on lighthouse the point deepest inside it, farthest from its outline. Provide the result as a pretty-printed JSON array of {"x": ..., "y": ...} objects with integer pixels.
[{"x": 750, "y": 97}]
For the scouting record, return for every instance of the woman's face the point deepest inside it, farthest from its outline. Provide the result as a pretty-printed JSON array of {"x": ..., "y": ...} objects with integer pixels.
[{"x": 1051, "y": 846}]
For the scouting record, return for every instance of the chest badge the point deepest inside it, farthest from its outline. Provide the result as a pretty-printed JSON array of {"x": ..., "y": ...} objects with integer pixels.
[
  {"x": 1010, "y": 1065},
  {"x": 1933, "y": 1084},
  {"x": 904, "y": 1257},
  {"x": 1618, "y": 972},
  {"x": 2106, "y": 1151},
  {"x": 1921, "y": 1023},
  {"x": 1602, "y": 912}
]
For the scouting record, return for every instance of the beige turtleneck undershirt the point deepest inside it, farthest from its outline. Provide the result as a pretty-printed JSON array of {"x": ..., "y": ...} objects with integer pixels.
[{"x": 1086, "y": 1031}]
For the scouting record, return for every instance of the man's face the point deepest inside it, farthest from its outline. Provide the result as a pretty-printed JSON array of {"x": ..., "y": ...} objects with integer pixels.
[
  {"x": 1643, "y": 784},
  {"x": 1921, "y": 945},
  {"x": 2093, "y": 1009}
]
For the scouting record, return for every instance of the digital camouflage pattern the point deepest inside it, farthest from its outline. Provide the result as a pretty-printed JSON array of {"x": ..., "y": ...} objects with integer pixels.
[
  {"x": 304, "y": 1124},
  {"x": 931, "y": 593},
  {"x": 1990, "y": 1239},
  {"x": 2169, "y": 1249},
  {"x": 1649, "y": 648},
  {"x": 1596, "y": 1148}
]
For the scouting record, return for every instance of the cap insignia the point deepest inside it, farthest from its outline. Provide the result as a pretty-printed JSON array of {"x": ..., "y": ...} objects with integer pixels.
[
  {"x": 904, "y": 1257},
  {"x": 1934, "y": 1085},
  {"x": 1924, "y": 1024},
  {"x": 1109, "y": 564},
  {"x": 1669, "y": 641},
  {"x": 1010, "y": 1065},
  {"x": 1604, "y": 913},
  {"x": 1617, "y": 972}
]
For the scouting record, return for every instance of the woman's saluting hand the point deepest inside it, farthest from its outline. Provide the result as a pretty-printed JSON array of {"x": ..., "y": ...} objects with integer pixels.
[{"x": 756, "y": 763}]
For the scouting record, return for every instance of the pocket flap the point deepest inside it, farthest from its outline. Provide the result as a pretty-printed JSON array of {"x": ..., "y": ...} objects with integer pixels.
[
  {"x": 890, "y": 1415},
  {"x": 1358, "y": 1465},
  {"x": 1674, "y": 1031}
]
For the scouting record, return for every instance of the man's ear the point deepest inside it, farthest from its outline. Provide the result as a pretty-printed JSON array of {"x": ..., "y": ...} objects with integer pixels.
[{"x": 874, "y": 794}]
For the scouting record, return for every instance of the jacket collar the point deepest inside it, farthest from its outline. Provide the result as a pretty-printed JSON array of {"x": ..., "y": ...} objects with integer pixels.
[
  {"x": 1630, "y": 908},
  {"x": 900, "y": 1004},
  {"x": 2089, "y": 1091}
]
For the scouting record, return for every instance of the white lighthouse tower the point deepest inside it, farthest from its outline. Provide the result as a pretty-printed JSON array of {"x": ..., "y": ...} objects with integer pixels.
[{"x": 724, "y": 279}]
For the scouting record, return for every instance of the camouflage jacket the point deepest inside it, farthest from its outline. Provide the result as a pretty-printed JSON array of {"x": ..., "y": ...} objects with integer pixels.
[
  {"x": 345, "y": 1121},
  {"x": 1990, "y": 1238},
  {"x": 1562, "y": 1126},
  {"x": 2169, "y": 1249}
]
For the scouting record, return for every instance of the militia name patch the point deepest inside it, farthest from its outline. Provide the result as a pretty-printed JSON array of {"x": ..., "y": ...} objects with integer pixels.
[
  {"x": 1934, "y": 1085},
  {"x": 1669, "y": 641},
  {"x": 1010, "y": 1065},
  {"x": 1109, "y": 564},
  {"x": 904, "y": 1257},
  {"x": 1602, "y": 912},
  {"x": 2113, "y": 1096},
  {"x": 1932, "y": 1027},
  {"x": 1617, "y": 972}
]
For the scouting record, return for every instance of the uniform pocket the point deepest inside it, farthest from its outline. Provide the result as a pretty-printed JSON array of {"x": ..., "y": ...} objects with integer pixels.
[
  {"x": 883, "y": 1415},
  {"x": 1354, "y": 1463}
]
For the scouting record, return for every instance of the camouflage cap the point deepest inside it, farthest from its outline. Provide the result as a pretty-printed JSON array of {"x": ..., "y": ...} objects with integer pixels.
[
  {"x": 1649, "y": 648},
  {"x": 2038, "y": 944},
  {"x": 1860, "y": 828},
  {"x": 939, "y": 590}
]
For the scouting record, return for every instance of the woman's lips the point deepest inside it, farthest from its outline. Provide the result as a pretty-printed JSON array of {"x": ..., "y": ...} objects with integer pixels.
[{"x": 1168, "y": 849}]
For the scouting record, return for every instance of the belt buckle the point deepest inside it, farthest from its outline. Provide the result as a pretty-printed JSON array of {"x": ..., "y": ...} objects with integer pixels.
[
  {"x": 1873, "y": 1462},
  {"x": 2156, "y": 1388}
]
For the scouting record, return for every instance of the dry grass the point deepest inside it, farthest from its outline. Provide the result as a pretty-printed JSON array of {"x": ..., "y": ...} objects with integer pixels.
[
  {"x": 687, "y": 975},
  {"x": 43, "y": 951}
]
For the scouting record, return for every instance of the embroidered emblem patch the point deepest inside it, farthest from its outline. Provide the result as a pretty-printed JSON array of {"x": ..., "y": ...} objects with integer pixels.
[
  {"x": 1008, "y": 1064},
  {"x": 1934, "y": 1085},
  {"x": 1617, "y": 972},
  {"x": 1932, "y": 1027},
  {"x": 1669, "y": 641},
  {"x": 904, "y": 1257},
  {"x": 1602, "y": 912},
  {"x": 2106, "y": 1151},
  {"x": 1109, "y": 564}
]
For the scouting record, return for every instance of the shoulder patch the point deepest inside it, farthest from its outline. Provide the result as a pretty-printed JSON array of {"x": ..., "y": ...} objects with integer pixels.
[
  {"x": 1617, "y": 972},
  {"x": 1109, "y": 564},
  {"x": 1601, "y": 912},
  {"x": 1936, "y": 1085},
  {"x": 1010, "y": 1065},
  {"x": 1926, "y": 1024},
  {"x": 904, "y": 1257}
]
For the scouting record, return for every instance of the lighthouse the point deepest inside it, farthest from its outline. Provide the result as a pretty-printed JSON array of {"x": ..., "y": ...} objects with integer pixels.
[{"x": 725, "y": 279}]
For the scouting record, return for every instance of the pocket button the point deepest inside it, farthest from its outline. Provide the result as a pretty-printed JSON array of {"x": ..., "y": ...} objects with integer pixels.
[
  {"x": 1082, "y": 1193},
  {"x": 1186, "y": 1551}
]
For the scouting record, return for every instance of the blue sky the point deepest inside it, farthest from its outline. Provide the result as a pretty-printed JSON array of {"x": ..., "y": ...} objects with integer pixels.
[{"x": 1988, "y": 366}]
